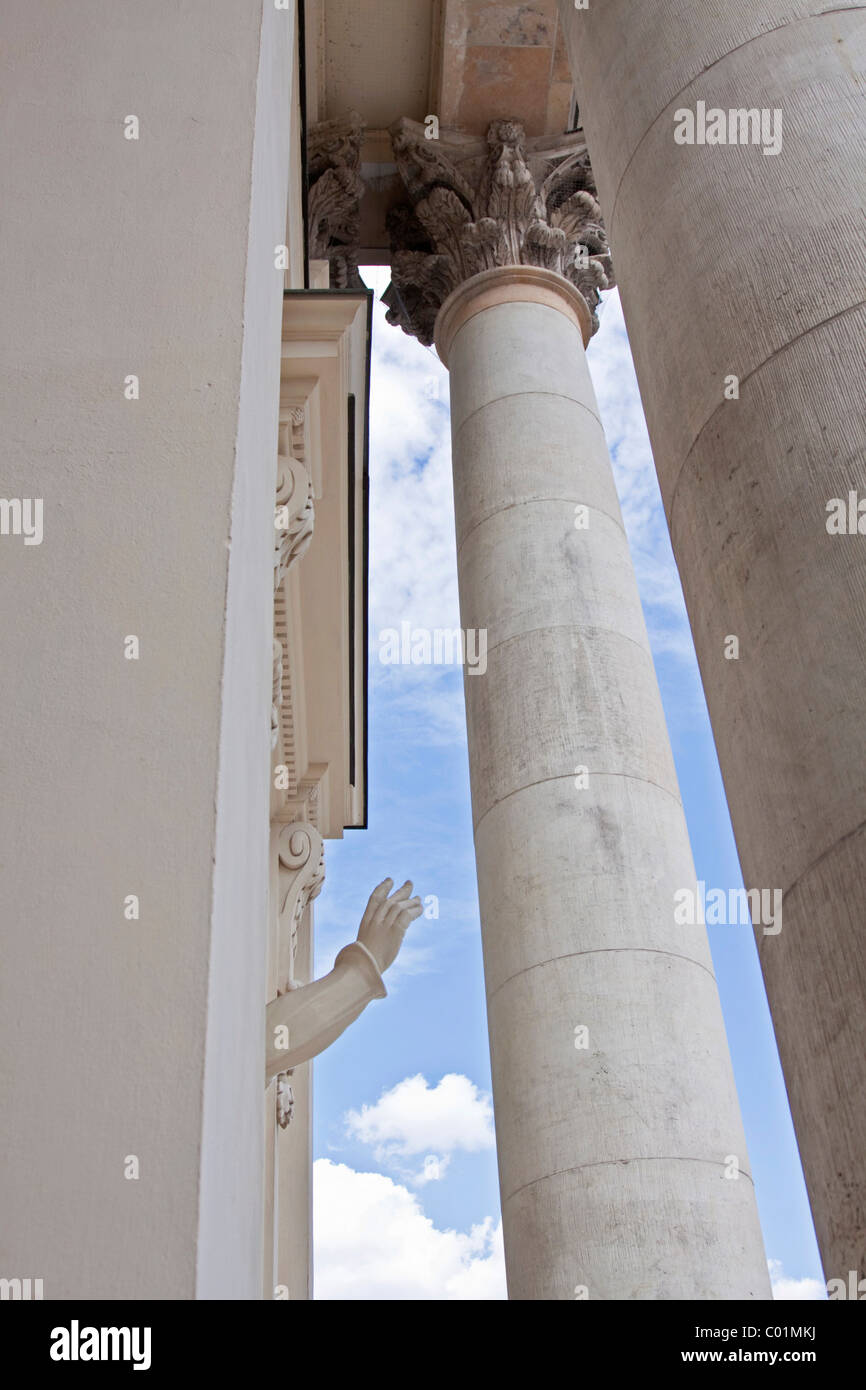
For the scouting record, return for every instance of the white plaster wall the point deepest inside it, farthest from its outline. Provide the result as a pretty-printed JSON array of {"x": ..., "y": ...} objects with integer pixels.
[
  {"x": 230, "y": 1255},
  {"x": 139, "y": 777}
]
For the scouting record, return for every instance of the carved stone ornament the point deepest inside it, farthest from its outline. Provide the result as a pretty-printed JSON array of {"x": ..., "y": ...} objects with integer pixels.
[
  {"x": 334, "y": 197},
  {"x": 294, "y": 514},
  {"x": 301, "y": 857},
  {"x": 285, "y": 1099},
  {"x": 516, "y": 204}
]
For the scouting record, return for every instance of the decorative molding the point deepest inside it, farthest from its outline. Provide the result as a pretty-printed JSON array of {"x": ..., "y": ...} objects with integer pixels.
[
  {"x": 302, "y": 439},
  {"x": 334, "y": 197},
  {"x": 296, "y": 434},
  {"x": 276, "y": 706},
  {"x": 518, "y": 202},
  {"x": 294, "y": 522},
  {"x": 310, "y": 799},
  {"x": 290, "y": 749},
  {"x": 295, "y": 512},
  {"x": 285, "y": 1098},
  {"x": 301, "y": 863},
  {"x": 510, "y": 284}
]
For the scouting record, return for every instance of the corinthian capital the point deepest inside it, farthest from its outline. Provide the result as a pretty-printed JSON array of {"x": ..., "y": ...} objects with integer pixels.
[
  {"x": 473, "y": 208},
  {"x": 334, "y": 198}
]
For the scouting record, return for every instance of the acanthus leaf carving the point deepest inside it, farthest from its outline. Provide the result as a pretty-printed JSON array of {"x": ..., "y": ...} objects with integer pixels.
[
  {"x": 515, "y": 203},
  {"x": 334, "y": 197}
]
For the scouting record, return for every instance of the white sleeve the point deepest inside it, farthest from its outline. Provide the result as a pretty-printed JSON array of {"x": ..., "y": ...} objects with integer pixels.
[{"x": 303, "y": 1022}]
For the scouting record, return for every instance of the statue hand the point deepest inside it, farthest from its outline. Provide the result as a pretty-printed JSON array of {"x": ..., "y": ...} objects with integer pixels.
[{"x": 385, "y": 921}]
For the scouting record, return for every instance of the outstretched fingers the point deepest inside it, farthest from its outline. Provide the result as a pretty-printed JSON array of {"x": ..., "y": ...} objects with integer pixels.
[
  {"x": 407, "y": 913},
  {"x": 376, "y": 901},
  {"x": 396, "y": 903}
]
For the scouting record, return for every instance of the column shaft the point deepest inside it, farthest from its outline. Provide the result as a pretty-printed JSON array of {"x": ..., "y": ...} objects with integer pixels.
[
  {"x": 734, "y": 262},
  {"x": 611, "y": 1155}
]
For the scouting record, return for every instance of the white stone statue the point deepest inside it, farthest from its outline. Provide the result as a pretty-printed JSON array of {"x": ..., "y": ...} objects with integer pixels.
[{"x": 307, "y": 1019}]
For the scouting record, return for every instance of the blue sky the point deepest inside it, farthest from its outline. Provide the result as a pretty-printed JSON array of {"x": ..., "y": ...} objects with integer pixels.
[{"x": 406, "y": 1195}]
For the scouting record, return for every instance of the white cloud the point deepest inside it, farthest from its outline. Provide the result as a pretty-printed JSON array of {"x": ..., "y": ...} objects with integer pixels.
[
  {"x": 416, "y": 1118},
  {"x": 412, "y": 546},
  {"x": 786, "y": 1288},
  {"x": 433, "y": 1171},
  {"x": 413, "y": 563},
  {"x": 373, "y": 1241}
]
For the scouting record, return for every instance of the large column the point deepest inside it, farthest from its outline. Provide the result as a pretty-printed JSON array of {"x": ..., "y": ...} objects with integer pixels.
[
  {"x": 758, "y": 254},
  {"x": 617, "y": 1123}
]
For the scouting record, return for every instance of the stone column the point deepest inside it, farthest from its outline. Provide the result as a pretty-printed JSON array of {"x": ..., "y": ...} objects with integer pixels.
[
  {"x": 617, "y": 1121},
  {"x": 752, "y": 380}
]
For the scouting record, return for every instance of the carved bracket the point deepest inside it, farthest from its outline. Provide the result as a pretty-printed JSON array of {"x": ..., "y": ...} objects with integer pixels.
[
  {"x": 294, "y": 515},
  {"x": 301, "y": 860},
  {"x": 310, "y": 799}
]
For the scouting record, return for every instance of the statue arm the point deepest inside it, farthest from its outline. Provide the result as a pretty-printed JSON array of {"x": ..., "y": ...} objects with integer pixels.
[{"x": 304, "y": 1021}]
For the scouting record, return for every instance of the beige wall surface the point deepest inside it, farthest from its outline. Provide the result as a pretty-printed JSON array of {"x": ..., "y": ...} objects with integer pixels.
[
  {"x": 229, "y": 1254},
  {"x": 151, "y": 257}
]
